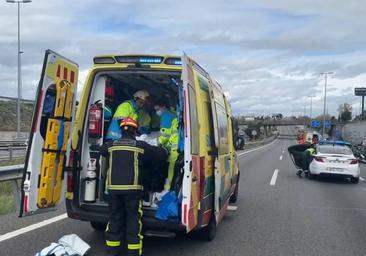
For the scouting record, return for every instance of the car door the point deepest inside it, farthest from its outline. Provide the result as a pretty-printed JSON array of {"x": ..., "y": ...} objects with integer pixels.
[
  {"x": 48, "y": 149},
  {"x": 298, "y": 155}
]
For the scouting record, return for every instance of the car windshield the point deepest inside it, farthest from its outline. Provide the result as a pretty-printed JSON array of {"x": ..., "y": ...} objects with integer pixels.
[{"x": 334, "y": 149}]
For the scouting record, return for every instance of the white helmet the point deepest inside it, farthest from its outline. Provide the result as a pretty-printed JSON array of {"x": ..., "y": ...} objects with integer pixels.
[{"x": 142, "y": 94}]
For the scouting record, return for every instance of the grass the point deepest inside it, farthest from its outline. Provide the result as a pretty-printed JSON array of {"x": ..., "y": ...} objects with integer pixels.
[
  {"x": 6, "y": 192},
  {"x": 6, "y": 198}
]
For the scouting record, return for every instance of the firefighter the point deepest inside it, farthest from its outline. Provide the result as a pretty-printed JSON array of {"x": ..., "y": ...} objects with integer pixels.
[
  {"x": 130, "y": 109},
  {"x": 168, "y": 137},
  {"x": 127, "y": 157}
]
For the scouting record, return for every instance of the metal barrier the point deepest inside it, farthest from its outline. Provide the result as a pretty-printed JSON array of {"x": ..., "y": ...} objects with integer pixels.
[
  {"x": 13, "y": 173},
  {"x": 15, "y": 149}
]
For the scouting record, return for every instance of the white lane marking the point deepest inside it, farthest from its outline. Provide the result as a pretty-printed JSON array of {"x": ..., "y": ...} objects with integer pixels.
[
  {"x": 29, "y": 228},
  {"x": 246, "y": 152},
  {"x": 281, "y": 157},
  {"x": 362, "y": 179},
  {"x": 274, "y": 178}
]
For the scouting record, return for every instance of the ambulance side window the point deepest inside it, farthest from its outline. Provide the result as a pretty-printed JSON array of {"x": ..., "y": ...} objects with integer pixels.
[
  {"x": 223, "y": 134},
  {"x": 193, "y": 121}
]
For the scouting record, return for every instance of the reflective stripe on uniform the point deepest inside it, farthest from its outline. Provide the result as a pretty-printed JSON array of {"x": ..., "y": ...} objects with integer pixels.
[
  {"x": 125, "y": 187},
  {"x": 128, "y": 148},
  {"x": 134, "y": 246},
  {"x": 113, "y": 243}
]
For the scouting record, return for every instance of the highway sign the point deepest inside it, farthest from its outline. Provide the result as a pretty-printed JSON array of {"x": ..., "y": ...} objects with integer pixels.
[
  {"x": 315, "y": 123},
  {"x": 361, "y": 91}
]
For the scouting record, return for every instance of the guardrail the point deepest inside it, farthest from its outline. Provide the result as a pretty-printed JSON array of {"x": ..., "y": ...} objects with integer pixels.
[{"x": 18, "y": 146}]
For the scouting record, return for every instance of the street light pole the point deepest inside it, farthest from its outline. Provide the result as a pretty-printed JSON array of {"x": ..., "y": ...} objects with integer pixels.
[
  {"x": 325, "y": 99},
  {"x": 19, "y": 64}
]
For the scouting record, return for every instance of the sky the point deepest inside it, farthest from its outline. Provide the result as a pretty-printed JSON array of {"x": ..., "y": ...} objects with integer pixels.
[{"x": 267, "y": 55}]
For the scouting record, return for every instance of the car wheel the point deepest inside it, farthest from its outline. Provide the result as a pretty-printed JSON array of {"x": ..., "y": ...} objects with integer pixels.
[
  {"x": 355, "y": 180},
  {"x": 208, "y": 233},
  {"x": 98, "y": 226}
]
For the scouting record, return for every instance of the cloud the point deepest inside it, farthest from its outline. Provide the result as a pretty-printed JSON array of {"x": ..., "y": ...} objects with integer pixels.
[{"x": 267, "y": 55}]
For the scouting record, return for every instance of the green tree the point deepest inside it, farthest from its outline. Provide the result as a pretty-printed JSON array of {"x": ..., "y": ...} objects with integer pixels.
[{"x": 345, "y": 112}]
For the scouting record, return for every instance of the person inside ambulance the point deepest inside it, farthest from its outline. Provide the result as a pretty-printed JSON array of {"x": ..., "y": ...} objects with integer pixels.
[
  {"x": 168, "y": 137},
  {"x": 129, "y": 109},
  {"x": 129, "y": 157}
]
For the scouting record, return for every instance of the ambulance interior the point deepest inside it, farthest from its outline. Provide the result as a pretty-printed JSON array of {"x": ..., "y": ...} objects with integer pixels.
[{"x": 160, "y": 85}]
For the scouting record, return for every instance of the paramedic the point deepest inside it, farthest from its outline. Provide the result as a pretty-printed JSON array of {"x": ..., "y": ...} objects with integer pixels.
[
  {"x": 130, "y": 109},
  {"x": 168, "y": 137},
  {"x": 128, "y": 157}
]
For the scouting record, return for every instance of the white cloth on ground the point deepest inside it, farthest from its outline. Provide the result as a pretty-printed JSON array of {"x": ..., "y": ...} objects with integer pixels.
[{"x": 67, "y": 245}]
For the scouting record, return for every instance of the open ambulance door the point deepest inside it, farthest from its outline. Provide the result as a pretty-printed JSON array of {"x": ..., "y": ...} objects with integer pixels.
[
  {"x": 222, "y": 166},
  {"x": 48, "y": 150},
  {"x": 297, "y": 153},
  {"x": 191, "y": 189}
]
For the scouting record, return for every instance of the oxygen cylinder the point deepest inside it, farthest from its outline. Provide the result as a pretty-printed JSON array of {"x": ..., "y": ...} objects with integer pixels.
[{"x": 91, "y": 181}]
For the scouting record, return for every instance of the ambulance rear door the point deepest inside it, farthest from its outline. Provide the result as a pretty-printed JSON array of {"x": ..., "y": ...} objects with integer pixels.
[
  {"x": 192, "y": 164},
  {"x": 222, "y": 167},
  {"x": 43, "y": 183}
]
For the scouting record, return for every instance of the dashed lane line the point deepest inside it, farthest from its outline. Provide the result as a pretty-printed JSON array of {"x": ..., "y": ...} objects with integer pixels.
[
  {"x": 281, "y": 157},
  {"x": 32, "y": 227},
  {"x": 274, "y": 178}
]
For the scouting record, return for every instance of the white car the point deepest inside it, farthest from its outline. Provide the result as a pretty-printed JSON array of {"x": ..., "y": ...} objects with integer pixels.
[{"x": 335, "y": 160}]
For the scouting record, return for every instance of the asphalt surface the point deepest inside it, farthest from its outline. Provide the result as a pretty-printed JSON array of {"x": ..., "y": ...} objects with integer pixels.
[{"x": 292, "y": 216}]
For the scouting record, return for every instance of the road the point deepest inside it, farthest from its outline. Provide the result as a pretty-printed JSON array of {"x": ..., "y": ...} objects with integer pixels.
[{"x": 277, "y": 215}]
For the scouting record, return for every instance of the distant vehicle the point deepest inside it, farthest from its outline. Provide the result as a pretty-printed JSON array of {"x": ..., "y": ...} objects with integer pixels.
[{"x": 331, "y": 159}]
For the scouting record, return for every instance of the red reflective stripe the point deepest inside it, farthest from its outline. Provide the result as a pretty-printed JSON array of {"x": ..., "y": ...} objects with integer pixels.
[
  {"x": 65, "y": 73},
  {"x": 72, "y": 77},
  {"x": 25, "y": 204},
  {"x": 58, "y": 73},
  {"x": 185, "y": 214},
  {"x": 38, "y": 109}
]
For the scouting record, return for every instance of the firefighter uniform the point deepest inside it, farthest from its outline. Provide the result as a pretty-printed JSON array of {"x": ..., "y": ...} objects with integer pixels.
[{"x": 127, "y": 157}]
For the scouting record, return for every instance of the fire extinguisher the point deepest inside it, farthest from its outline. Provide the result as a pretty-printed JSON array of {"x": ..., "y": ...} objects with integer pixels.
[
  {"x": 95, "y": 120},
  {"x": 91, "y": 181}
]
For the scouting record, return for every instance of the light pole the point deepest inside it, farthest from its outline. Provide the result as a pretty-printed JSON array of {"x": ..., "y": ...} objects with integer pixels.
[
  {"x": 19, "y": 64},
  {"x": 311, "y": 107},
  {"x": 325, "y": 99}
]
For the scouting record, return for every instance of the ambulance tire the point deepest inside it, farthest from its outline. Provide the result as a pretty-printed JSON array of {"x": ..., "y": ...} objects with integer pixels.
[
  {"x": 208, "y": 233},
  {"x": 234, "y": 196},
  {"x": 98, "y": 226}
]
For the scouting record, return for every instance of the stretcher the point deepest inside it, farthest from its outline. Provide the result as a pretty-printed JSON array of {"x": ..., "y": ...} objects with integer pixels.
[{"x": 54, "y": 149}]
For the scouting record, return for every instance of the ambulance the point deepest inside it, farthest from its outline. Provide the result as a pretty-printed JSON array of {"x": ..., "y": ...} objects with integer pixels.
[{"x": 63, "y": 163}]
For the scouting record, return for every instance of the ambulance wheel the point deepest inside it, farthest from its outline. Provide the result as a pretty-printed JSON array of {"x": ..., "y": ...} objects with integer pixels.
[
  {"x": 98, "y": 226},
  {"x": 208, "y": 233},
  {"x": 234, "y": 196}
]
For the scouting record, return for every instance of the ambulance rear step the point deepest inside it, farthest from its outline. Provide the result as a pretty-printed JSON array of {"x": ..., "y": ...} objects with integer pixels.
[
  {"x": 159, "y": 233},
  {"x": 232, "y": 208}
]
